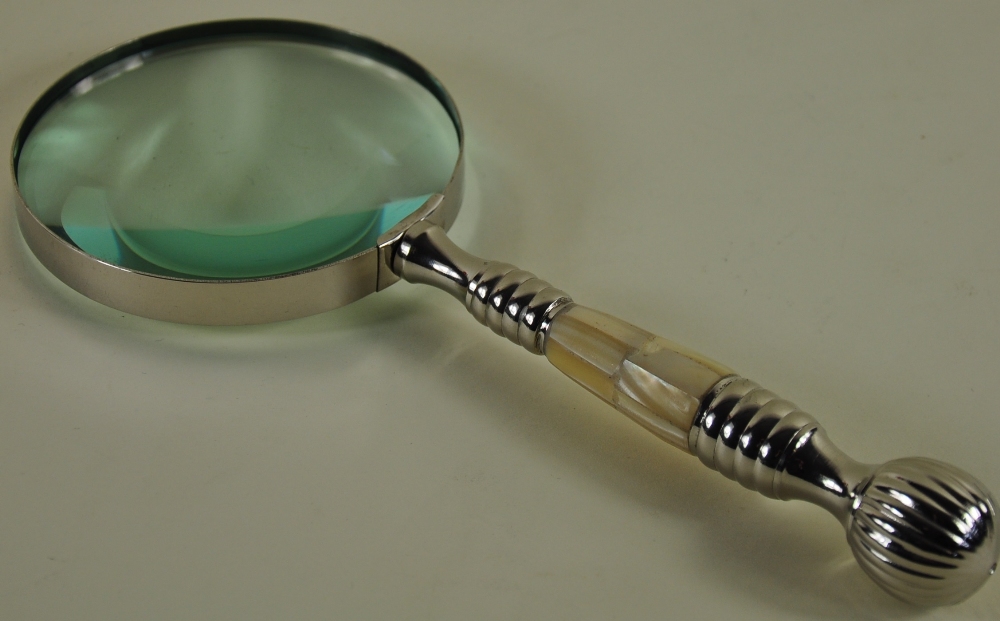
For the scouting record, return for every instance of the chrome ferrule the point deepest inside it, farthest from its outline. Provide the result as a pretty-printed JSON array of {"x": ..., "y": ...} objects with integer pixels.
[
  {"x": 769, "y": 445},
  {"x": 512, "y": 302}
]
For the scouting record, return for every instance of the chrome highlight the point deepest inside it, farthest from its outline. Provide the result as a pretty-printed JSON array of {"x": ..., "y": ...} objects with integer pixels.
[
  {"x": 513, "y": 303},
  {"x": 925, "y": 531},
  {"x": 922, "y": 530}
]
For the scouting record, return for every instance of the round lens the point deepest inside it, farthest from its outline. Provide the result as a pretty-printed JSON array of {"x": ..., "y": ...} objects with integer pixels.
[{"x": 236, "y": 158}]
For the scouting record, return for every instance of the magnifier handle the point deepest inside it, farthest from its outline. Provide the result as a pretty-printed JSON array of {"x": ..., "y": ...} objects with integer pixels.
[{"x": 923, "y": 530}]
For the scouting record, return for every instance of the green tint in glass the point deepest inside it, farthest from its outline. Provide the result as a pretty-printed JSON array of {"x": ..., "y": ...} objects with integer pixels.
[{"x": 236, "y": 158}]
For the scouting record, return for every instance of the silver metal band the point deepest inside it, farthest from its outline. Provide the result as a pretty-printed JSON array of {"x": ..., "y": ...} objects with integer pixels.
[
  {"x": 511, "y": 302},
  {"x": 769, "y": 445}
]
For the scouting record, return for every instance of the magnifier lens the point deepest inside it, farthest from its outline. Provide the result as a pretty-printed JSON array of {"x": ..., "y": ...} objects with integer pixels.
[{"x": 236, "y": 158}]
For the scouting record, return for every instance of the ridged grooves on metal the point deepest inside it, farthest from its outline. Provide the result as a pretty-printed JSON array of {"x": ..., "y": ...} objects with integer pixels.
[
  {"x": 746, "y": 433},
  {"x": 922, "y": 523},
  {"x": 514, "y": 303},
  {"x": 922, "y": 530}
]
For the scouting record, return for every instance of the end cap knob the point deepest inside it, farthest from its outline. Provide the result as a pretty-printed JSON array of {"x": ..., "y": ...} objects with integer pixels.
[{"x": 925, "y": 531}]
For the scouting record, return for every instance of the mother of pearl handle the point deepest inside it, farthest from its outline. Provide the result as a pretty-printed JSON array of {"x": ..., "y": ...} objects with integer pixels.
[{"x": 923, "y": 530}]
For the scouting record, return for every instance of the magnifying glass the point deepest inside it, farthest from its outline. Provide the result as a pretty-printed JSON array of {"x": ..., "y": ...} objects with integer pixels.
[{"x": 252, "y": 171}]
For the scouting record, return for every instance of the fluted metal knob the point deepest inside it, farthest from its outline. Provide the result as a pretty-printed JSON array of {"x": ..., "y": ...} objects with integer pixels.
[{"x": 923, "y": 530}]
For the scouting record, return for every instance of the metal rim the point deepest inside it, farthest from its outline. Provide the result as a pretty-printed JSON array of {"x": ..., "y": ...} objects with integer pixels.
[{"x": 236, "y": 301}]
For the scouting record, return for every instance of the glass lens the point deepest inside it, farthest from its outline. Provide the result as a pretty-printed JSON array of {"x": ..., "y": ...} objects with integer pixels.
[{"x": 236, "y": 159}]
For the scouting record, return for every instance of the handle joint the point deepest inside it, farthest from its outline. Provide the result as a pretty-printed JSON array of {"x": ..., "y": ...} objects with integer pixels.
[{"x": 513, "y": 303}]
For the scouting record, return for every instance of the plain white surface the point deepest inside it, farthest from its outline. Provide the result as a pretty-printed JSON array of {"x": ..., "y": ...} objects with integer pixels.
[{"x": 805, "y": 192}]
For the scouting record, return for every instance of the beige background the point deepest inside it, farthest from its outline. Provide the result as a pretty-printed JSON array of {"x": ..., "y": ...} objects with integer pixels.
[{"x": 807, "y": 192}]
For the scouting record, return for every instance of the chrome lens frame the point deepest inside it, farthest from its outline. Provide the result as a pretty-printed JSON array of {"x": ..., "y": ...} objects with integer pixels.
[{"x": 232, "y": 301}]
